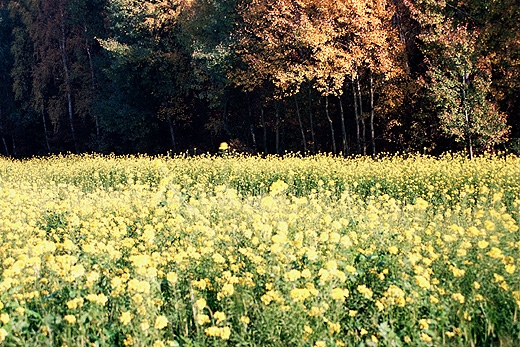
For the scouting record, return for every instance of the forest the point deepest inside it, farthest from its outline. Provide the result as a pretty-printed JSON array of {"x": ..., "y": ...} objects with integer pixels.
[{"x": 344, "y": 77}]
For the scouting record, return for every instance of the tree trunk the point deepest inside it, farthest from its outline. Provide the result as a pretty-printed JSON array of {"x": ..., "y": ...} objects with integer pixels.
[
  {"x": 225, "y": 117},
  {"x": 68, "y": 88},
  {"x": 2, "y": 133},
  {"x": 93, "y": 80},
  {"x": 14, "y": 145},
  {"x": 301, "y": 125},
  {"x": 251, "y": 122},
  {"x": 331, "y": 125},
  {"x": 468, "y": 135},
  {"x": 172, "y": 134},
  {"x": 5, "y": 145},
  {"x": 372, "y": 132},
  {"x": 358, "y": 136},
  {"x": 277, "y": 127},
  {"x": 467, "y": 118},
  {"x": 363, "y": 129},
  {"x": 345, "y": 150},
  {"x": 45, "y": 132},
  {"x": 264, "y": 127},
  {"x": 313, "y": 139}
]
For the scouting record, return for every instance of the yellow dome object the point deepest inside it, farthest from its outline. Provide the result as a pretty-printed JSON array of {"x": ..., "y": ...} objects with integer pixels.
[{"x": 223, "y": 146}]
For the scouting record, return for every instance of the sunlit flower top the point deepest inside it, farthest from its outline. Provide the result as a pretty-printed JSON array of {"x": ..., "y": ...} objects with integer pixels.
[{"x": 223, "y": 146}]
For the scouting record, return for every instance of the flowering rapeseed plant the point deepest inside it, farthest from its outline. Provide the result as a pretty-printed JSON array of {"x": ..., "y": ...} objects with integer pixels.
[{"x": 229, "y": 250}]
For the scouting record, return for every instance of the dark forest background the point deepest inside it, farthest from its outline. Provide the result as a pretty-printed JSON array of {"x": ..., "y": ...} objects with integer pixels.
[{"x": 349, "y": 77}]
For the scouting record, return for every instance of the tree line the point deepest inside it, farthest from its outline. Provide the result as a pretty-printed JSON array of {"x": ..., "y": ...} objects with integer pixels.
[{"x": 266, "y": 76}]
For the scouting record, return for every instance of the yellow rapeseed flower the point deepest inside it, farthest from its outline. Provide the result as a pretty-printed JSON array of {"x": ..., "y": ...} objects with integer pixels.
[
  {"x": 202, "y": 319},
  {"x": 278, "y": 187},
  {"x": 365, "y": 291},
  {"x": 161, "y": 322},
  {"x": 393, "y": 250},
  {"x": 300, "y": 294},
  {"x": 4, "y": 318},
  {"x": 489, "y": 225},
  {"x": 292, "y": 275},
  {"x": 350, "y": 269},
  {"x": 306, "y": 273},
  {"x": 422, "y": 282},
  {"x": 225, "y": 333},
  {"x": 219, "y": 316},
  {"x": 75, "y": 303},
  {"x": 457, "y": 272},
  {"x": 458, "y": 297},
  {"x": 125, "y": 317},
  {"x": 424, "y": 324},
  {"x": 171, "y": 277},
  {"x": 339, "y": 294},
  {"x": 510, "y": 268},
  {"x": 3, "y": 334},
  {"x": 200, "y": 304},
  {"x": 71, "y": 319},
  {"x": 495, "y": 253},
  {"x": 497, "y": 278},
  {"x": 223, "y": 146},
  {"x": 426, "y": 338},
  {"x": 129, "y": 340},
  {"x": 144, "y": 325},
  {"x": 482, "y": 244},
  {"x": 380, "y": 306},
  {"x": 315, "y": 311},
  {"x": 212, "y": 331},
  {"x": 158, "y": 343},
  {"x": 227, "y": 290},
  {"x": 218, "y": 258}
]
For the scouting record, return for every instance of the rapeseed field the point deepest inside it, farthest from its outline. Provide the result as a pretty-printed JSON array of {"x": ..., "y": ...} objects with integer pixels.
[{"x": 248, "y": 251}]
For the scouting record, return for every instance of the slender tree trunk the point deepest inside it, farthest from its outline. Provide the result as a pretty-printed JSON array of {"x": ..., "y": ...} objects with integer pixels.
[
  {"x": 253, "y": 136},
  {"x": 331, "y": 125},
  {"x": 45, "y": 132},
  {"x": 2, "y": 133},
  {"x": 361, "y": 116},
  {"x": 225, "y": 117},
  {"x": 372, "y": 132},
  {"x": 14, "y": 145},
  {"x": 251, "y": 122},
  {"x": 313, "y": 139},
  {"x": 277, "y": 127},
  {"x": 172, "y": 134},
  {"x": 5, "y": 145},
  {"x": 468, "y": 135},
  {"x": 358, "y": 136},
  {"x": 345, "y": 150},
  {"x": 93, "y": 79},
  {"x": 264, "y": 127},
  {"x": 68, "y": 88},
  {"x": 467, "y": 118},
  {"x": 301, "y": 124},
  {"x": 397, "y": 21},
  {"x": 363, "y": 137}
]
